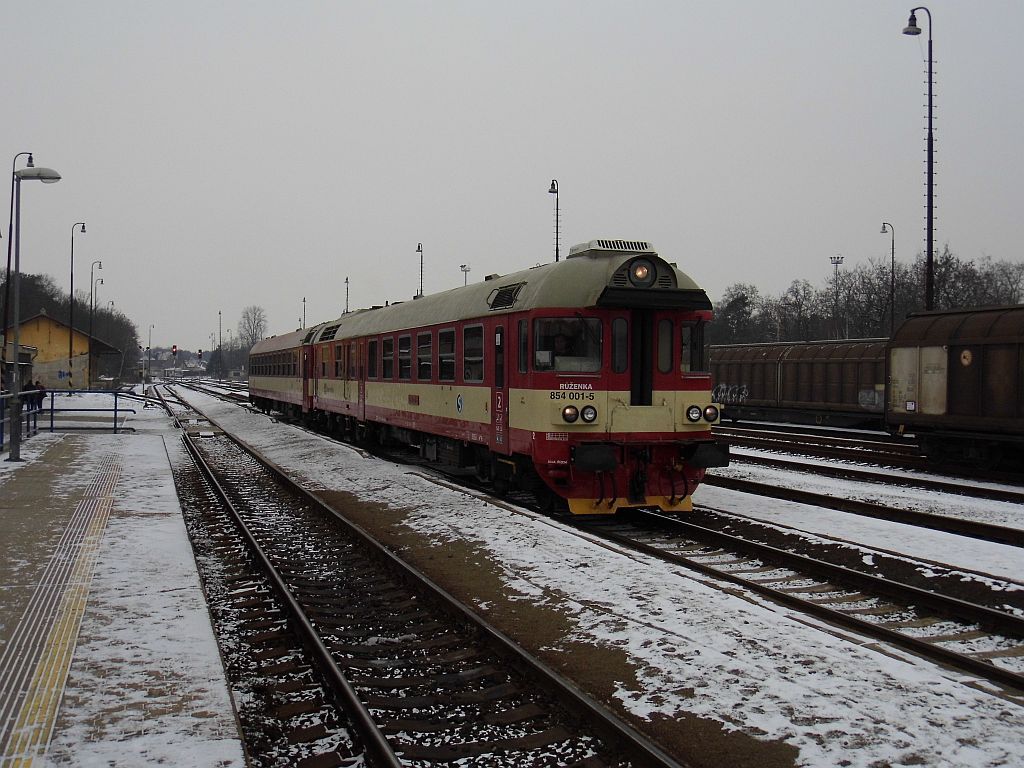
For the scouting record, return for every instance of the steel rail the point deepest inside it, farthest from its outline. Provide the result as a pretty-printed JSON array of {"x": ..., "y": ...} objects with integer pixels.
[
  {"x": 641, "y": 750},
  {"x": 1000, "y": 534},
  {"x": 374, "y": 741},
  {"x": 943, "y": 604}
]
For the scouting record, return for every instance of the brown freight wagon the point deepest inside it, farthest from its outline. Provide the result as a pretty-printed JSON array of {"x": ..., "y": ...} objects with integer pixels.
[
  {"x": 837, "y": 383},
  {"x": 956, "y": 380}
]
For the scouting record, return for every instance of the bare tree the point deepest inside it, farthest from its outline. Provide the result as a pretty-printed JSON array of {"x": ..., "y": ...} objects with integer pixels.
[{"x": 252, "y": 326}]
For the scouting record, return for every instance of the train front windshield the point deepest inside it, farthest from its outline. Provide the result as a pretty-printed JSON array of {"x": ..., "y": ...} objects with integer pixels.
[{"x": 570, "y": 344}]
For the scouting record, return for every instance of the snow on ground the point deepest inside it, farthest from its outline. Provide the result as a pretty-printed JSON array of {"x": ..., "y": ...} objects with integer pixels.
[
  {"x": 1005, "y": 513},
  {"x": 742, "y": 662},
  {"x": 146, "y": 685}
]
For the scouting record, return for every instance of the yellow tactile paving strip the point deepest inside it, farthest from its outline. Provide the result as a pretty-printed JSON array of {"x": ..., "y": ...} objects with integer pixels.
[{"x": 34, "y": 666}]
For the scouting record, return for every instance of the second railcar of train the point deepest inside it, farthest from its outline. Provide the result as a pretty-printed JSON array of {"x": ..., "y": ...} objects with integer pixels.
[
  {"x": 584, "y": 379},
  {"x": 834, "y": 383}
]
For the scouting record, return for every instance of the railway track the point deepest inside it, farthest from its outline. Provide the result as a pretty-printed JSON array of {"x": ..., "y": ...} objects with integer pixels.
[
  {"x": 981, "y": 639},
  {"x": 984, "y": 641},
  {"x": 411, "y": 674},
  {"x": 877, "y": 450},
  {"x": 948, "y": 523}
]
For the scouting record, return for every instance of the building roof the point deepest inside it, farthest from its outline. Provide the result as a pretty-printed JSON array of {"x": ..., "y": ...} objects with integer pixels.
[{"x": 104, "y": 347}]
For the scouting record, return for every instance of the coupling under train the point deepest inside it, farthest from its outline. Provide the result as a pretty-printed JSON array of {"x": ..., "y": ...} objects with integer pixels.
[
  {"x": 953, "y": 378},
  {"x": 584, "y": 380}
]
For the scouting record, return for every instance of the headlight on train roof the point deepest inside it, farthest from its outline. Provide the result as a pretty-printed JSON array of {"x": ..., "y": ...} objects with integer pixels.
[
  {"x": 642, "y": 273},
  {"x": 710, "y": 413},
  {"x": 589, "y": 414},
  {"x": 570, "y": 413},
  {"x": 693, "y": 413}
]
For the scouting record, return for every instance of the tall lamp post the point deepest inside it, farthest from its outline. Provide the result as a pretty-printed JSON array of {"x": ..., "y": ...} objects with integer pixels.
[
  {"x": 554, "y": 191},
  {"x": 465, "y": 273},
  {"x": 149, "y": 354},
  {"x": 220, "y": 341},
  {"x": 836, "y": 261},
  {"x": 92, "y": 301},
  {"x": 929, "y": 275},
  {"x": 888, "y": 228},
  {"x": 419, "y": 250},
  {"x": 47, "y": 176},
  {"x": 10, "y": 254},
  {"x": 92, "y": 309},
  {"x": 71, "y": 308}
]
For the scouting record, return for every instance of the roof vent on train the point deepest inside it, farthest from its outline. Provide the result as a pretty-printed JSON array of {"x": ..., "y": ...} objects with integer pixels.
[
  {"x": 617, "y": 246},
  {"x": 504, "y": 297},
  {"x": 329, "y": 332}
]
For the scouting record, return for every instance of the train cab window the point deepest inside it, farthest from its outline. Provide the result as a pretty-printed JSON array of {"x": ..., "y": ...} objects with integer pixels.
[
  {"x": 424, "y": 355},
  {"x": 405, "y": 357},
  {"x": 473, "y": 353},
  {"x": 371, "y": 359},
  {"x": 665, "y": 345},
  {"x": 567, "y": 344},
  {"x": 620, "y": 345},
  {"x": 692, "y": 358},
  {"x": 524, "y": 345},
  {"x": 446, "y": 355},
  {"x": 387, "y": 355}
]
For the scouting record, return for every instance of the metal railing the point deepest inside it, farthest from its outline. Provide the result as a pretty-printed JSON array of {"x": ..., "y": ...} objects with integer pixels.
[{"x": 44, "y": 415}]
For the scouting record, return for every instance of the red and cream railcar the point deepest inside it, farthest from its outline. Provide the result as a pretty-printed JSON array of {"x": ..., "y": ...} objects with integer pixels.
[{"x": 586, "y": 378}]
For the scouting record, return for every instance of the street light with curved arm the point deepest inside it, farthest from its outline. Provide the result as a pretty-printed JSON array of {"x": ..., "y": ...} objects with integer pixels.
[
  {"x": 553, "y": 189},
  {"x": 71, "y": 308},
  {"x": 10, "y": 242},
  {"x": 929, "y": 274},
  {"x": 92, "y": 309},
  {"x": 892, "y": 277},
  {"x": 47, "y": 176}
]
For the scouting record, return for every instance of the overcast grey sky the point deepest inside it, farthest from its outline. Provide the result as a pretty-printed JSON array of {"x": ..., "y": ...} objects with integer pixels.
[{"x": 233, "y": 153}]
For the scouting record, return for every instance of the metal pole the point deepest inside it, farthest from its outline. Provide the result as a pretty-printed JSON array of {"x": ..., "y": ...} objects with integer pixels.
[
  {"x": 419, "y": 250},
  {"x": 554, "y": 191},
  {"x": 892, "y": 278},
  {"x": 929, "y": 276},
  {"x": 929, "y": 286},
  {"x": 836, "y": 261},
  {"x": 10, "y": 253},
  {"x": 71, "y": 308},
  {"x": 15, "y": 387}
]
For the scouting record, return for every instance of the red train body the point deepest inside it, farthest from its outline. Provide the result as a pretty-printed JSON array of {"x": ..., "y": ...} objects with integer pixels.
[{"x": 584, "y": 379}]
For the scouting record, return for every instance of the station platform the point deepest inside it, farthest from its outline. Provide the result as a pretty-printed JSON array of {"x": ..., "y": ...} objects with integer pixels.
[{"x": 107, "y": 654}]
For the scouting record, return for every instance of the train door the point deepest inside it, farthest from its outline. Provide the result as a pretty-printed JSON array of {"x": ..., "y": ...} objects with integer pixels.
[
  {"x": 641, "y": 364},
  {"x": 499, "y": 396},
  {"x": 361, "y": 366},
  {"x": 307, "y": 387}
]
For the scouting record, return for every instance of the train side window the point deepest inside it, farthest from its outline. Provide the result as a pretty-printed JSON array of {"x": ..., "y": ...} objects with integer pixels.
[
  {"x": 405, "y": 357},
  {"x": 294, "y": 367},
  {"x": 473, "y": 353},
  {"x": 446, "y": 355},
  {"x": 338, "y": 361},
  {"x": 387, "y": 355},
  {"x": 620, "y": 345},
  {"x": 351, "y": 358},
  {"x": 524, "y": 345},
  {"x": 424, "y": 355},
  {"x": 692, "y": 357},
  {"x": 665, "y": 346},
  {"x": 371, "y": 359}
]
